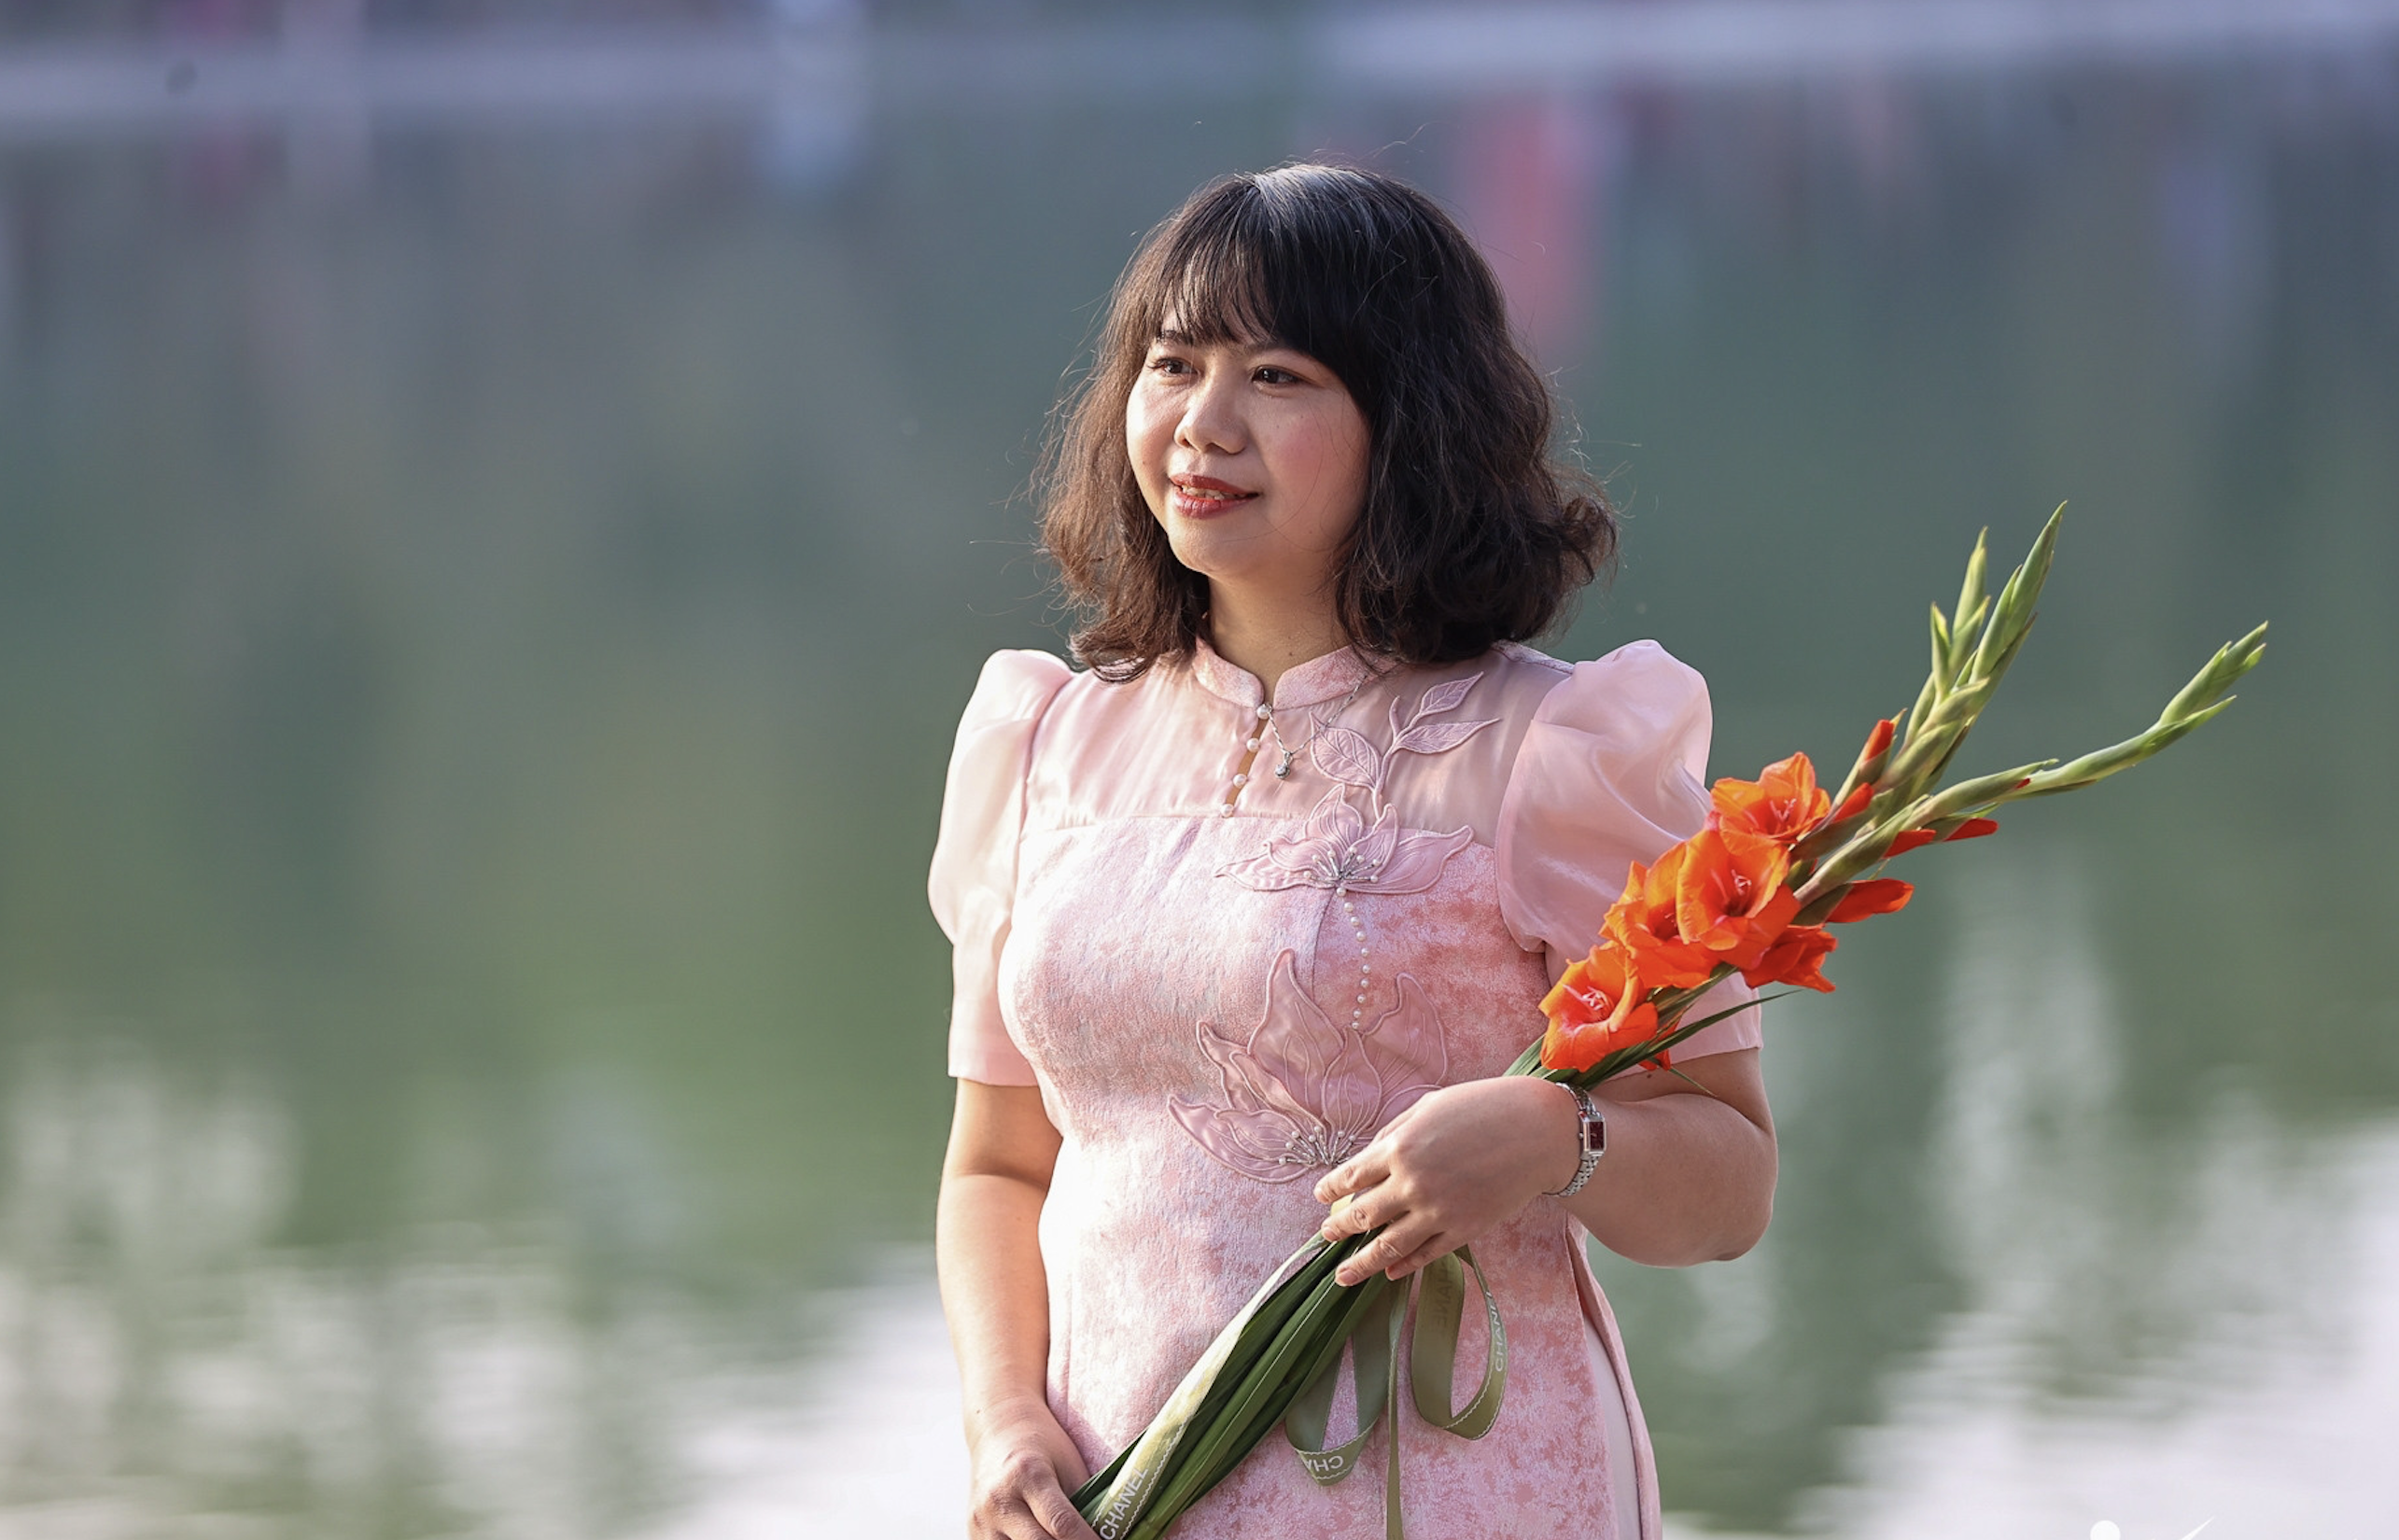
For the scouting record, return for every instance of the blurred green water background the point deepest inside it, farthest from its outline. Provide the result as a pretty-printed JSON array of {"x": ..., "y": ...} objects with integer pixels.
[{"x": 484, "y": 599}]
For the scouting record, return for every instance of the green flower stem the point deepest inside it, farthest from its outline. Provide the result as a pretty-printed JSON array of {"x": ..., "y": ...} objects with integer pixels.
[
  {"x": 1967, "y": 666},
  {"x": 1116, "y": 1499},
  {"x": 1979, "y": 647},
  {"x": 1237, "y": 1425}
]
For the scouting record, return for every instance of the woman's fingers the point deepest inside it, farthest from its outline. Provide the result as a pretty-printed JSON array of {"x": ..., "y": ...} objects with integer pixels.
[
  {"x": 1417, "y": 1260},
  {"x": 1369, "y": 1202},
  {"x": 1050, "y": 1505},
  {"x": 1402, "y": 1249},
  {"x": 1355, "y": 1175},
  {"x": 1399, "y": 1240},
  {"x": 1026, "y": 1497},
  {"x": 1354, "y": 1217},
  {"x": 1370, "y": 1259},
  {"x": 1040, "y": 1510}
]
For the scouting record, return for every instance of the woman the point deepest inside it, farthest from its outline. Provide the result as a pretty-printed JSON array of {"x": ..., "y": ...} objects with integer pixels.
[{"x": 1248, "y": 913}]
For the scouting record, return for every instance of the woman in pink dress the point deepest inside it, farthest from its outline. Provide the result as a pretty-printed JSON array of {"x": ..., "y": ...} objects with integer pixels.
[{"x": 1249, "y": 911}]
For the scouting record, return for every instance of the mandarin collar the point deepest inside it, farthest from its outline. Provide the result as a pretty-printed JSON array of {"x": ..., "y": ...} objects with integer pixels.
[{"x": 1310, "y": 683}]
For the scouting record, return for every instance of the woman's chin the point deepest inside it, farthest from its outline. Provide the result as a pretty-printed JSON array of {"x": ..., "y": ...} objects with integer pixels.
[
  {"x": 1245, "y": 556},
  {"x": 1221, "y": 554}
]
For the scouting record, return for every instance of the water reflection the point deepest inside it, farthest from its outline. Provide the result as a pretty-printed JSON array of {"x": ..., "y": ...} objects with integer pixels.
[
  {"x": 483, "y": 600},
  {"x": 165, "y": 1357},
  {"x": 171, "y": 1356},
  {"x": 2259, "y": 1424},
  {"x": 2142, "y": 1247}
]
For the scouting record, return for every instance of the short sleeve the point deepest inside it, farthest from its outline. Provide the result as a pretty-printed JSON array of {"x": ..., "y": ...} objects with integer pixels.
[
  {"x": 974, "y": 879},
  {"x": 1609, "y": 772}
]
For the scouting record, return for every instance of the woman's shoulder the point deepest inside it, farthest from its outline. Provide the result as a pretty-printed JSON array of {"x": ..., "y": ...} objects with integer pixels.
[
  {"x": 1639, "y": 683},
  {"x": 1017, "y": 682},
  {"x": 1012, "y": 694}
]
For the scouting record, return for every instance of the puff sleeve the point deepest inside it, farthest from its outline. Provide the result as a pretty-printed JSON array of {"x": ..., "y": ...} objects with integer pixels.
[
  {"x": 1609, "y": 773},
  {"x": 973, "y": 878}
]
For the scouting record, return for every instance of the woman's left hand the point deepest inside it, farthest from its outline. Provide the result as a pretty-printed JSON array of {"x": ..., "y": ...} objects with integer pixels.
[{"x": 1463, "y": 1160}]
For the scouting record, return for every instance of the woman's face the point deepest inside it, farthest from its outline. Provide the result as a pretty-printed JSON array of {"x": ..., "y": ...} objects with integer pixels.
[{"x": 1253, "y": 458}]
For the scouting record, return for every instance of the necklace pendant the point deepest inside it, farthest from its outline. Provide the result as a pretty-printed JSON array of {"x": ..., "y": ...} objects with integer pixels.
[{"x": 1282, "y": 770}]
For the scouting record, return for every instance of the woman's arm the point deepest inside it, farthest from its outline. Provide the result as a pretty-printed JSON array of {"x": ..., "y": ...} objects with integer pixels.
[
  {"x": 1689, "y": 1175},
  {"x": 986, "y": 1243},
  {"x": 1698, "y": 1182}
]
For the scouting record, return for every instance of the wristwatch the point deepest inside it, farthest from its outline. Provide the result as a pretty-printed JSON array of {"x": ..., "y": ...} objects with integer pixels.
[{"x": 1590, "y": 1138}]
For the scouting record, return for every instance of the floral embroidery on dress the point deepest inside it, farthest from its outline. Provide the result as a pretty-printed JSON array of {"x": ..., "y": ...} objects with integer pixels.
[
  {"x": 1334, "y": 846},
  {"x": 1306, "y": 1092}
]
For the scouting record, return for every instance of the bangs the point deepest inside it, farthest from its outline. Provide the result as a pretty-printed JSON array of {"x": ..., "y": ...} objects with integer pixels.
[
  {"x": 1273, "y": 260},
  {"x": 1215, "y": 292}
]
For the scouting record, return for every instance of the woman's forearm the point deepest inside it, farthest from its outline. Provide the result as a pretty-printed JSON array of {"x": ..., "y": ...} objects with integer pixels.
[
  {"x": 987, "y": 1240},
  {"x": 1689, "y": 1175},
  {"x": 1686, "y": 1178},
  {"x": 994, "y": 1292}
]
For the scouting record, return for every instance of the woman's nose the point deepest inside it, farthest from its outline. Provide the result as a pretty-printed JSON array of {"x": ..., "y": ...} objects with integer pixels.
[{"x": 1212, "y": 418}]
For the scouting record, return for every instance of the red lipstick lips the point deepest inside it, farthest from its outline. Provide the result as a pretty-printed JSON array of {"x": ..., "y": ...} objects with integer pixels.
[{"x": 1205, "y": 497}]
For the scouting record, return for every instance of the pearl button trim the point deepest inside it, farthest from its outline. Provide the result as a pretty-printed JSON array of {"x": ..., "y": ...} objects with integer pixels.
[
  {"x": 1366, "y": 967},
  {"x": 1241, "y": 778},
  {"x": 1251, "y": 744}
]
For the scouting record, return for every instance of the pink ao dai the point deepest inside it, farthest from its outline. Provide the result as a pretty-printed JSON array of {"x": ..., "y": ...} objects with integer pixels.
[{"x": 1218, "y": 1006}]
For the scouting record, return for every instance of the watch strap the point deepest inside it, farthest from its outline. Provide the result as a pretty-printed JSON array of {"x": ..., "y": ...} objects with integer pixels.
[{"x": 1591, "y": 1141}]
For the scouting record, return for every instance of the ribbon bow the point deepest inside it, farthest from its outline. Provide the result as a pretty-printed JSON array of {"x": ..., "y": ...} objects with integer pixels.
[{"x": 1432, "y": 1355}]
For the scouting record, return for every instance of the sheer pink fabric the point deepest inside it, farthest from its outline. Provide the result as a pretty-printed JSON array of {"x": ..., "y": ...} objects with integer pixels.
[{"x": 1218, "y": 1006}]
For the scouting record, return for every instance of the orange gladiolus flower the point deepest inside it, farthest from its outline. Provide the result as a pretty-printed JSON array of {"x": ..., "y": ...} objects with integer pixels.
[
  {"x": 1782, "y": 803},
  {"x": 1642, "y": 921},
  {"x": 1913, "y": 839},
  {"x": 1873, "y": 896},
  {"x": 1728, "y": 895},
  {"x": 1975, "y": 829},
  {"x": 1880, "y": 738},
  {"x": 1797, "y": 957},
  {"x": 1854, "y": 804},
  {"x": 1597, "y": 1006}
]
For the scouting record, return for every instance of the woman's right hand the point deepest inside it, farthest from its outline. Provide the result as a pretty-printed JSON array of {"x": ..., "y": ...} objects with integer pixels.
[{"x": 1024, "y": 1468}]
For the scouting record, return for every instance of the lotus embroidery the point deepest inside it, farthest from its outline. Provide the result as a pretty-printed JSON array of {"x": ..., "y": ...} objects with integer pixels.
[
  {"x": 1334, "y": 847},
  {"x": 1306, "y": 1092}
]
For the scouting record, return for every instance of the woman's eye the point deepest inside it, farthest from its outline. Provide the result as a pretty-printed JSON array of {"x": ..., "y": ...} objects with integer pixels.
[
  {"x": 1269, "y": 374},
  {"x": 1167, "y": 364}
]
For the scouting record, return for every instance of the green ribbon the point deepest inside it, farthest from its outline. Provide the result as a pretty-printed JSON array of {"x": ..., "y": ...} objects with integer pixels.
[{"x": 1432, "y": 1356}]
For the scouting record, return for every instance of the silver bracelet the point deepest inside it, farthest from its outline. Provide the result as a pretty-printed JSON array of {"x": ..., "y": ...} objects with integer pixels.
[{"x": 1590, "y": 1139}]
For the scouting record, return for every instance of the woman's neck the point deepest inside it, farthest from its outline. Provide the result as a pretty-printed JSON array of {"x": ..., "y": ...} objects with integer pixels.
[{"x": 1268, "y": 639}]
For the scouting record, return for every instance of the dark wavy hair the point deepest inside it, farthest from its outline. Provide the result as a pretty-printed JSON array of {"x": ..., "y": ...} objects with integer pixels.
[{"x": 1470, "y": 534}]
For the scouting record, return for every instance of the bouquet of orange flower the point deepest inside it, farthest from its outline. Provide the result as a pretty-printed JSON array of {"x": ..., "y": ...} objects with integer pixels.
[{"x": 1780, "y": 859}]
